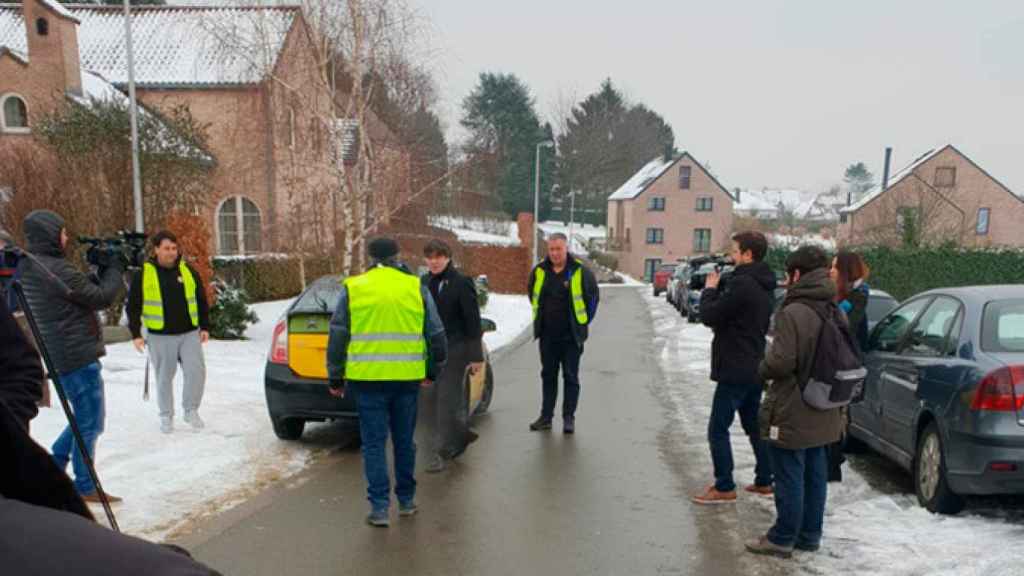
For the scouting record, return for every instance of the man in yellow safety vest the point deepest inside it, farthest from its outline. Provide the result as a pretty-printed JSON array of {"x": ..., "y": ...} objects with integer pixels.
[
  {"x": 167, "y": 298},
  {"x": 565, "y": 295},
  {"x": 386, "y": 342}
]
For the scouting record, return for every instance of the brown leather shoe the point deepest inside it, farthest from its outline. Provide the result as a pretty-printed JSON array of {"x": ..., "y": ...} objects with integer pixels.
[
  {"x": 766, "y": 547},
  {"x": 713, "y": 496},
  {"x": 760, "y": 490},
  {"x": 94, "y": 498}
]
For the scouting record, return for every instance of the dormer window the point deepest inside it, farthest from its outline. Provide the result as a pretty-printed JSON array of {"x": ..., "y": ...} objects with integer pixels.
[{"x": 42, "y": 27}]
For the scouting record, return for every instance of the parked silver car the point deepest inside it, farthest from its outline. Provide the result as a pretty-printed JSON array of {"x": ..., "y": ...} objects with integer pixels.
[{"x": 944, "y": 396}]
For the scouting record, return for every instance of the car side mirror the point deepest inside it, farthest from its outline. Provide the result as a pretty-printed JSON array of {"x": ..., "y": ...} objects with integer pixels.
[{"x": 488, "y": 325}]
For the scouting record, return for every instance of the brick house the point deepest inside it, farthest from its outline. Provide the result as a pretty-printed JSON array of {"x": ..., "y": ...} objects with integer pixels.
[
  {"x": 672, "y": 208},
  {"x": 942, "y": 196},
  {"x": 250, "y": 74}
]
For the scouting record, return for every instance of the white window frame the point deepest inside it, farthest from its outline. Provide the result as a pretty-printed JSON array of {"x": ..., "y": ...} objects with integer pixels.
[
  {"x": 988, "y": 221},
  {"x": 239, "y": 223},
  {"x": 3, "y": 115}
]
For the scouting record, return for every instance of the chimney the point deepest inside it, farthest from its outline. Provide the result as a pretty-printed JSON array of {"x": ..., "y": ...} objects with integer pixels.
[
  {"x": 737, "y": 192},
  {"x": 669, "y": 152},
  {"x": 885, "y": 170},
  {"x": 52, "y": 34}
]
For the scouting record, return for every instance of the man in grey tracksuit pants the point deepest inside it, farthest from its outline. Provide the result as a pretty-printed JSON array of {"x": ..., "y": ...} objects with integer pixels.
[{"x": 167, "y": 298}]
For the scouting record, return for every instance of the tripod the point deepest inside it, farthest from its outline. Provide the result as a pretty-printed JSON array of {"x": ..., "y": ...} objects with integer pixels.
[{"x": 19, "y": 292}]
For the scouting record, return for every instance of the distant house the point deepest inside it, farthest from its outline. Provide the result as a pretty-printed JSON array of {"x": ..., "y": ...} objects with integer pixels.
[
  {"x": 771, "y": 203},
  {"x": 671, "y": 209},
  {"x": 942, "y": 196},
  {"x": 249, "y": 73}
]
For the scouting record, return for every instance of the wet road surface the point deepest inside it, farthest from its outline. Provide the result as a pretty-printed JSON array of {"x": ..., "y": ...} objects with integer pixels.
[{"x": 609, "y": 500}]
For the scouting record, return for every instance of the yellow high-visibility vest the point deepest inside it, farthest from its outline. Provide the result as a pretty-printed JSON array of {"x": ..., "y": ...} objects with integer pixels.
[
  {"x": 575, "y": 287},
  {"x": 153, "y": 301},
  {"x": 387, "y": 314}
]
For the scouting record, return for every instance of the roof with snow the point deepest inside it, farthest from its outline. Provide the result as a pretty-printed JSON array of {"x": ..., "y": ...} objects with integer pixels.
[
  {"x": 907, "y": 170},
  {"x": 174, "y": 45},
  {"x": 653, "y": 170},
  {"x": 876, "y": 190}
]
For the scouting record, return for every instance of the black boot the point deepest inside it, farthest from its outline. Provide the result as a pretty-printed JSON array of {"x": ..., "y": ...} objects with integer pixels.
[{"x": 541, "y": 423}]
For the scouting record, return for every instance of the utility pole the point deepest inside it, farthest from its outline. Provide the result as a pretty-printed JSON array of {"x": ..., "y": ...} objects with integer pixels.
[{"x": 134, "y": 113}]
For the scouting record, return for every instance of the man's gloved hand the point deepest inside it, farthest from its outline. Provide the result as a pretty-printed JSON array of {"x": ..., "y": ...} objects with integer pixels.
[{"x": 336, "y": 387}]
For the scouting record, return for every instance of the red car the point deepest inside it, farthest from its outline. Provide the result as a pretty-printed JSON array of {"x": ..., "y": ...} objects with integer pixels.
[{"x": 661, "y": 278}]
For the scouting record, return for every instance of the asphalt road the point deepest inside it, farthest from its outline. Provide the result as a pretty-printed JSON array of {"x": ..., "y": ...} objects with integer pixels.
[{"x": 609, "y": 500}]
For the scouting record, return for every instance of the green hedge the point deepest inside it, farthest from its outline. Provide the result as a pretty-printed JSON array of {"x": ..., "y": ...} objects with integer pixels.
[
  {"x": 269, "y": 277},
  {"x": 904, "y": 272}
]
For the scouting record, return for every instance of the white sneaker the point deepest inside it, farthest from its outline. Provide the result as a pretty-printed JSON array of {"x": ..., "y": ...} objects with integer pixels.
[
  {"x": 194, "y": 419},
  {"x": 166, "y": 424}
]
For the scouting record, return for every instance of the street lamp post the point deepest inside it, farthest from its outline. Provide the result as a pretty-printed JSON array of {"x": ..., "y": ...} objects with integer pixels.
[
  {"x": 572, "y": 213},
  {"x": 536, "y": 198},
  {"x": 134, "y": 113}
]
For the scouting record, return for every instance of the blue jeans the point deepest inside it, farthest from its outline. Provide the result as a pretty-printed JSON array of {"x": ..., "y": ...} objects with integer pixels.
[
  {"x": 730, "y": 399},
  {"x": 84, "y": 388},
  {"x": 381, "y": 412},
  {"x": 801, "y": 487}
]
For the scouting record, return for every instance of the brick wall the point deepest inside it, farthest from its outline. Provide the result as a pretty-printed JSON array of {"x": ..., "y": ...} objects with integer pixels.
[{"x": 506, "y": 267}]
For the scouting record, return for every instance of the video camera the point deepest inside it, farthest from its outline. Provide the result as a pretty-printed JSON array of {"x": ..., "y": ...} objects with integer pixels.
[{"x": 128, "y": 246}]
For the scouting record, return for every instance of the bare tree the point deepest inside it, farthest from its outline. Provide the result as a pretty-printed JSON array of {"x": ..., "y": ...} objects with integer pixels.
[
  {"x": 914, "y": 213},
  {"x": 357, "y": 53}
]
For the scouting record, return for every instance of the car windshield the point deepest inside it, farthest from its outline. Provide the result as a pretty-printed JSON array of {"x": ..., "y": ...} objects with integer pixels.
[
  {"x": 320, "y": 296},
  {"x": 879, "y": 306},
  {"x": 1002, "y": 329}
]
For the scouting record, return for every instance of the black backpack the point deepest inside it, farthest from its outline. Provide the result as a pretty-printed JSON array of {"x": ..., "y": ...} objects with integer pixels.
[{"x": 837, "y": 373}]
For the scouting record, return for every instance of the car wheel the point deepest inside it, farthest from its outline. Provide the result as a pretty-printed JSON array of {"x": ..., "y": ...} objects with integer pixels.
[
  {"x": 289, "y": 428},
  {"x": 930, "y": 483},
  {"x": 485, "y": 401}
]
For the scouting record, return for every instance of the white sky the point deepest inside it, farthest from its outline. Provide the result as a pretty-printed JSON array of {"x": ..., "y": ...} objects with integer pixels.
[{"x": 769, "y": 92}]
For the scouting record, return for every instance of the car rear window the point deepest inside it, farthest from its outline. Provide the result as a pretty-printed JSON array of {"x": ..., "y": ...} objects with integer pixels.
[
  {"x": 1002, "y": 328},
  {"x": 879, "y": 306},
  {"x": 320, "y": 296}
]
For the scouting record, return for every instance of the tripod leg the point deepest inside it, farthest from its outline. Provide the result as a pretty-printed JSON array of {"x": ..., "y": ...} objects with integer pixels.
[{"x": 19, "y": 291}]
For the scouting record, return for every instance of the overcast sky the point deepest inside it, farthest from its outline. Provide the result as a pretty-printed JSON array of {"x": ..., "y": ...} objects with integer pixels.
[{"x": 769, "y": 92}]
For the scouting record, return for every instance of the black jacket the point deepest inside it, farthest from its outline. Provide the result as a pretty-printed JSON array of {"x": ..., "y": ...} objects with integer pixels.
[
  {"x": 591, "y": 296},
  {"x": 62, "y": 298},
  {"x": 21, "y": 374},
  {"x": 739, "y": 312},
  {"x": 455, "y": 296},
  {"x": 176, "y": 319}
]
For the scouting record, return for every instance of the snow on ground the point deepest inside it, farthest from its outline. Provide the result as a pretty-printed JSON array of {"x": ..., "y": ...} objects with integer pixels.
[
  {"x": 867, "y": 530},
  {"x": 488, "y": 231},
  {"x": 168, "y": 480},
  {"x": 512, "y": 314},
  {"x": 794, "y": 242},
  {"x": 164, "y": 478}
]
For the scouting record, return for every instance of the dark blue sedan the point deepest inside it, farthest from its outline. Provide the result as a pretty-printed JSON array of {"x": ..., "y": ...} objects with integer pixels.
[{"x": 945, "y": 393}]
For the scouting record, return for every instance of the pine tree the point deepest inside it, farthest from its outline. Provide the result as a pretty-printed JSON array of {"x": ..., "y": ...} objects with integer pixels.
[
  {"x": 503, "y": 133},
  {"x": 858, "y": 180},
  {"x": 606, "y": 140}
]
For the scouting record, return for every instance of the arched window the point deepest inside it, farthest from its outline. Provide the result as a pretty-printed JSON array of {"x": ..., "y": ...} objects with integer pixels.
[
  {"x": 15, "y": 114},
  {"x": 239, "y": 226}
]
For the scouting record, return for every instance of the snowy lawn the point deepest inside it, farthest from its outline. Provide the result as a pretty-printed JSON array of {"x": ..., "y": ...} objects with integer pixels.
[
  {"x": 867, "y": 530},
  {"x": 169, "y": 480},
  {"x": 491, "y": 232}
]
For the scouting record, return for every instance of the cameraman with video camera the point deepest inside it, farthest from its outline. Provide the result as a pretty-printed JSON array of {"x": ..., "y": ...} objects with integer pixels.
[{"x": 64, "y": 302}]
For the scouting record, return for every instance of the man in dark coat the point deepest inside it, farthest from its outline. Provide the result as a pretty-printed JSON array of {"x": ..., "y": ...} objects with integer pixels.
[
  {"x": 739, "y": 312},
  {"x": 565, "y": 297},
  {"x": 798, "y": 434},
  {"x": 64, "y": 302},
  {"x": 445, "y": 411}
]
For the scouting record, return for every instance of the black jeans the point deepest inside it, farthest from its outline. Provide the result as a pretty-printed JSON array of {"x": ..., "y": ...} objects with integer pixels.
[
  {"x": 565, "y": 354},
  {"x": 729, "y": 399}
]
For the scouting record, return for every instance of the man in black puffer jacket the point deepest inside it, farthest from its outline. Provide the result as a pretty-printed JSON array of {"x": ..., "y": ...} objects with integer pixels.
[
  {"x": 64, "y": 302},
  {"x": 739, "y": 313}
]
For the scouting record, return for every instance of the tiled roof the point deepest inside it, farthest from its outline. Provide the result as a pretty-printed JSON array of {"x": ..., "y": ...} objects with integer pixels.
[
  {"x": 174, "y": 46},
  {"x": 642, "y": 179},
  {"x": 894, "y": 179}
]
